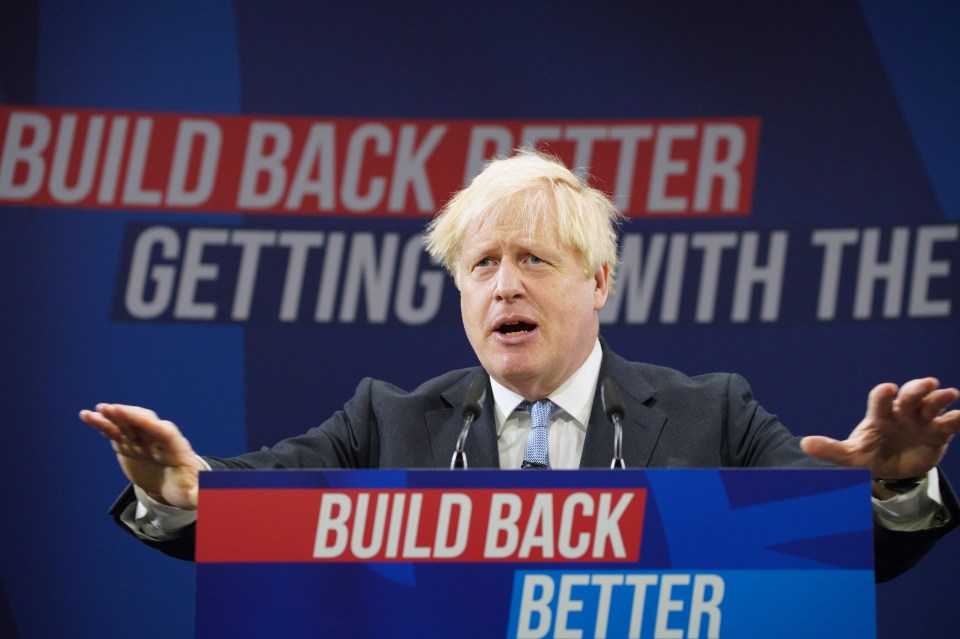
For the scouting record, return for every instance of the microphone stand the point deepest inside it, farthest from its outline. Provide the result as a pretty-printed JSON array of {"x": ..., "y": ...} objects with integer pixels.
[
  {"x": 614, "y": 409},
  {"x": 459, "y": 456},
  {"x": 472, "y": 407}
]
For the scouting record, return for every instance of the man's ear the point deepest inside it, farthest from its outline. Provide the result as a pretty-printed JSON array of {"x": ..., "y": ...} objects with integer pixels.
[{"x": 602, "y": 289}]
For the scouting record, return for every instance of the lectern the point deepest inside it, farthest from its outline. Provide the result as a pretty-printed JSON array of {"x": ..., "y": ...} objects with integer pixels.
[{"x": 607, "y": 553}]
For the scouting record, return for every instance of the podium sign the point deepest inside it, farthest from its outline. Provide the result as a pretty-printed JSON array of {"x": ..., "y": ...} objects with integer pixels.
[{"x": 438, "y": 553}]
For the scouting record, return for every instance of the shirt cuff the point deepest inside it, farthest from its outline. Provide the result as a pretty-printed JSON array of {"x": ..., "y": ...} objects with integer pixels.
[
  {"x": 160, "y": 521},
  {"x": 918, "y": 509}
]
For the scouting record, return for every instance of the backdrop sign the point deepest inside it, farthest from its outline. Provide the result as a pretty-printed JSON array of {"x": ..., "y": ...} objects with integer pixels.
[{"x": 216, "y": 210}]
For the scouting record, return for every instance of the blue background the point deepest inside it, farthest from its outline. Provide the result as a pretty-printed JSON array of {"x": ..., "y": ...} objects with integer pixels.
[{"x": 858, "y": 103}]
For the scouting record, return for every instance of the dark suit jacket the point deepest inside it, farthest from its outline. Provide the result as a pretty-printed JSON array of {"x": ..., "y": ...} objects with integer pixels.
[{"x": 672, "y": 420}]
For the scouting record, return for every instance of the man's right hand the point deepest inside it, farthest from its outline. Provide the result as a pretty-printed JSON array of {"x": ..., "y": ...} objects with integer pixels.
[{"x": 152, "y": 452}]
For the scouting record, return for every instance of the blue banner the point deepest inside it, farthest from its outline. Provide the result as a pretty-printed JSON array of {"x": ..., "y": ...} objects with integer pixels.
[{"x": 694, "y": 553}]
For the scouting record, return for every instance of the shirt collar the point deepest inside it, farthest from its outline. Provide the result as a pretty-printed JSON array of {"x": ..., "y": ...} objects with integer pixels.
[{"x": 574, "y": 396}]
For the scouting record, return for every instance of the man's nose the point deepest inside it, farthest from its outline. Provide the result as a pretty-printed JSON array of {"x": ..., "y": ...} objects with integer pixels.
[{"x": 509, "y": 281}]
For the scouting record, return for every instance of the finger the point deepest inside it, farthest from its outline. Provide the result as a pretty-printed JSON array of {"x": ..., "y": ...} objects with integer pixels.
[
  {"x": 936, "y": 402},
  {"x": 116, "y": 414},
  {"x": 128, "y": 415},
  {"x": 139, "y": 425},
  {"x": 106, "y": 427},
  {"x": 127, "y": 449},
  {"x": 913, "y": 393},
  {"x": 880, "y": 401},
  {"x": 156, "y": 453},
  {"x": 131, "y": 434},
  {"x": 112, "y": 424},
  {"x": 948, "y": 422}
]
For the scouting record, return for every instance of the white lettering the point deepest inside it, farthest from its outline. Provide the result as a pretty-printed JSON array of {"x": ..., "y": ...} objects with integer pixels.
[
  {"x": 409, "y": 168},
  {"x": 134, "y": 192},
  {"x": 539, "y": 530},
  {"x": 576, "y": 604},
  {"x": 194, "y": 271},
  {"x": 258, "y": 162},
  {"x": 110, "y": 177},
  {"x": 565, "y": 544},
  {"x": 376, "y": 279},
  {"x": 461, "y": 530},
  {"x": 608, "y": 525},
  {"x": 251, "y": 243},
  {"x": 833, "y": 241},
  {"x": 299, "y": 242},
  {"x": 769, "y": 277},
  {"x": 535, "y": 601},
  {"x": 640, "y": 584},
  {"x": 926, "y": 268},
  {"x": 335, "y": 509},
  {"x": 872, "y": 270},
  {"x": 410, "y": 548},
  {"x": 411, "y": 278},
  {"x": 359, "y": 548},
  {"x": 713, "y": 245},
  {"x": 629, "y": 138},
  {"x": 606, "y": 582},
  {"x": 711, "y": 168},
  {"x": 664, "y": 166},
  {"x": 505, "y": 509},
  {"x": 209, "y": 134},
  {"x": 59, "y": 190},
  {"x": 668, "y": 604},
  {"x": 162, "y": 276},
  {"x": 332, "y": 261},
  {"x": 317, "y": 157},
  {"x": 701, "y": 605},
  {"x": 350, "y": 189},
  {"x": 17, "y": 151},
  {"x": 567, "y": 604}
]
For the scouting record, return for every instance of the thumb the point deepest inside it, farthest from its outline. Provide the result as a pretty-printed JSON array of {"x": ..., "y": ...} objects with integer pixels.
[{"x": 824, "y": 448}]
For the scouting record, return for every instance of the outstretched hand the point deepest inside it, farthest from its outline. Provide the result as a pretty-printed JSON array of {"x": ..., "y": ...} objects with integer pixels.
[
  {"x": 904, "y": 433},
  {"x": 152, "y": 453}
]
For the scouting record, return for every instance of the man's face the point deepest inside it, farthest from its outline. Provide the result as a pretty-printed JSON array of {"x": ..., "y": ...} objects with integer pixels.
[{"x": 528, "y": 311}]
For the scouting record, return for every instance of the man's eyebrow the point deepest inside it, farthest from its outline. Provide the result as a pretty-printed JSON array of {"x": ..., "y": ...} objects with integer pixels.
[{"x": 481, "y": 247}]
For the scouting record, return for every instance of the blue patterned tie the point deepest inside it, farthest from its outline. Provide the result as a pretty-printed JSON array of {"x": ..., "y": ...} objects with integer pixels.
[{"x": 536, "y": 453}]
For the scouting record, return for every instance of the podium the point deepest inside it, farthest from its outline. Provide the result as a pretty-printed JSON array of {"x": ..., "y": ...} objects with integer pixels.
[{"x": 605, "y": 553}]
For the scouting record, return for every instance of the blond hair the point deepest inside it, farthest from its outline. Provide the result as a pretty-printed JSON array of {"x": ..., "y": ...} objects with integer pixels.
[{"x": 528, "y": 190}]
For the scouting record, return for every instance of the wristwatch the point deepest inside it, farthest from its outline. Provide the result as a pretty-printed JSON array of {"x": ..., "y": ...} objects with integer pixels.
[{"x": 900, "y": 486}]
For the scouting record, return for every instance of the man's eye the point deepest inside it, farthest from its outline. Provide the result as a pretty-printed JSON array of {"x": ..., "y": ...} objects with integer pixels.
[
  {"x": 484, "y": 262},
  {"x": 536, "y": 260}
]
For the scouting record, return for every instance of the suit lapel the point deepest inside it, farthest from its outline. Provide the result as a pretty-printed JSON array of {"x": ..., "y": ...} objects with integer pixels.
[
  {"x": 642, "y": 424},
  {"x": 444, "y": 428},
  {"x": 641, "y": 428}
]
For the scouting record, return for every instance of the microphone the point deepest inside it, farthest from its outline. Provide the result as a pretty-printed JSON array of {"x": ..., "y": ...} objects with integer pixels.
[
  {"x": 614, "y": 409},
  {"x": 472, "y": 407}
]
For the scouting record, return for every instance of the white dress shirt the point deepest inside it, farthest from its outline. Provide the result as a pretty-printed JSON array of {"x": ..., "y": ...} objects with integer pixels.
[{"x": 567, "y": 428}]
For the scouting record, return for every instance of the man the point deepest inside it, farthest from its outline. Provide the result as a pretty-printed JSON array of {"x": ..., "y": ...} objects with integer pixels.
[{"x": 533, "y": 250}]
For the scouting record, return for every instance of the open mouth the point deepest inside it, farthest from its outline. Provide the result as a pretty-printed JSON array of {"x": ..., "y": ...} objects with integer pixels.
[{"x": 516, "y": 328}]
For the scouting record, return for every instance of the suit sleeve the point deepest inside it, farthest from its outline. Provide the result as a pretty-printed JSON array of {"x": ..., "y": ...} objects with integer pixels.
[
  {"x": 180, "y": 546},
  {"x": 897, "y": 551},
  {"x": 348, "y": 439}
]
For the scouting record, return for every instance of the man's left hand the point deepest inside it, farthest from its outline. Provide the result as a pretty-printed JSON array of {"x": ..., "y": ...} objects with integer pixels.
[{"x": 904, "y": 434}]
